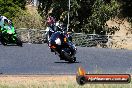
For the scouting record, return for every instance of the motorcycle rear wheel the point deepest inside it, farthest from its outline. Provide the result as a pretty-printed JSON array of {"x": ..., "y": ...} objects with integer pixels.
[
  {"x": 72, "y": 60},
  {"x": 18, "y": 42},
  {"x": 3, "y": 41}
]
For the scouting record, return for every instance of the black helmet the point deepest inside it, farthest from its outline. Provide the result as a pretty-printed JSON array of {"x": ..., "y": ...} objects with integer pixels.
[{"x": 5, "y": 20}]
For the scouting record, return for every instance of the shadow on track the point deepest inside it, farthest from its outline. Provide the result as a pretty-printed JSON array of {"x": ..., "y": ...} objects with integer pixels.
[
  {"x": 8, "y": 45},
  {"x": 68, "y": 62},
  {"x": 11, "y": 45}
]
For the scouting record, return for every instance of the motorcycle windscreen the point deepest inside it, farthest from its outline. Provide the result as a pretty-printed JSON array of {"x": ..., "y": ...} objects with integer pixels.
[
  {"x": 10, "y": 30},
  {"x": 55, "y": 36}
]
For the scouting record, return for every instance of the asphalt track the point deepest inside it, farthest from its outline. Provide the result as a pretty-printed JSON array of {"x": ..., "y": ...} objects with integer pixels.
[{"x": 37, "y": 59}]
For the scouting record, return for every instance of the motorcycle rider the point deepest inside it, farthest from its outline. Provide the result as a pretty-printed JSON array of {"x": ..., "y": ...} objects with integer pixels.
[
  {"x": 61, "y": 26},
  {"x": 3, "y": 21},
  {"x": 50, "y": 26},
  {"x": 50, "y": 23},
  {"x": 53, "y": 27}
]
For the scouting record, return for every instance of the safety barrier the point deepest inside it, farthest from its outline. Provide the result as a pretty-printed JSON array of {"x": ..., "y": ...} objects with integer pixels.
[{"x": 37, "y": 36}]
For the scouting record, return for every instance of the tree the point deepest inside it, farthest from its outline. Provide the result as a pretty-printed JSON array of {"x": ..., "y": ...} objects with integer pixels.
[
  {"x": 101, "y": 12},
  {"x": 85, "y": 15},
  {"x": 9, "y": 8}
]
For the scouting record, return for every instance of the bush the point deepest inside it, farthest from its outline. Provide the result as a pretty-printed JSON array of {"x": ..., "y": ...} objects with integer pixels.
[{"x": 24, "y": 19}]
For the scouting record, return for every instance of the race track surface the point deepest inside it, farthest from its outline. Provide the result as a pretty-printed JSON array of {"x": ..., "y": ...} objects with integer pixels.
[{"x": 37, "y": 59}]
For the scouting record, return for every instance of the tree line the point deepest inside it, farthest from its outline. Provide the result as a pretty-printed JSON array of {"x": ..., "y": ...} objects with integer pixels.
[{"x": 88, "y": 16}]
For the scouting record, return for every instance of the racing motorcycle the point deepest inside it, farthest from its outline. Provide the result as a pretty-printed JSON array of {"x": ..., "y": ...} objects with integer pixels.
[
  {"x": 9, "y": 36},
  {"x": 64, "y": 48}
]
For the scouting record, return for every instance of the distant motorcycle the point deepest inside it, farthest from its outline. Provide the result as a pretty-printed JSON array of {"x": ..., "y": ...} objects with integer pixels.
[
  {"x": 64, "y": 48},
  {"x": 9, "y": 36}
]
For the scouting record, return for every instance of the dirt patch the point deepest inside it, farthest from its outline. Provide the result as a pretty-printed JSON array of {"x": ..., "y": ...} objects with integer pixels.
[
  {"x": 38, "y": 81},
  {"x": 32, "y": 9},
  {"x": 24, "y": 78},
  {"x": 122, "y": 38}
]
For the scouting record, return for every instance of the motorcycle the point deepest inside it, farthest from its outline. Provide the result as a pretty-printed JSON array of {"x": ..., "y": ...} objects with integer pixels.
[
  {"x": 64, "y": 48},
  {"x": 9, "y": 36}
]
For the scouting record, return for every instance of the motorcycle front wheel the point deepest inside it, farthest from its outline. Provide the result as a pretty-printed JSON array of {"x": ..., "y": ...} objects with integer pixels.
[{"x": 18, "y": 41}]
